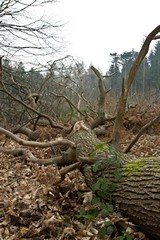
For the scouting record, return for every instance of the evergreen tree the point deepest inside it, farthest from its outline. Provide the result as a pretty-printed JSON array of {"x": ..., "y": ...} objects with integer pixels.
[
  {"x": 115, "y": 81},
  {"x": 35, "y": 79},
  {"x": 154, "y": 72},
  {"x": 126, "y": 60},
  {"x": 19, "y": 72},
  {"x": 141, "y": 79}
]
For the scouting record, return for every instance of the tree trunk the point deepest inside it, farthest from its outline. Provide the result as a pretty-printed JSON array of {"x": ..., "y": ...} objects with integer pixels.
[{"x": 137, "y": 194}]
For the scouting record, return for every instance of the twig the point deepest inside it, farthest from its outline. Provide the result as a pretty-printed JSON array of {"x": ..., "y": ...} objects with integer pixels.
[{"x": 140, "y": 133}]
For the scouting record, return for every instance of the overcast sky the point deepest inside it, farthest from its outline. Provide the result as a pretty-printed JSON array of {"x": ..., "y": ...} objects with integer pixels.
[{"x": 96, "y": 28}]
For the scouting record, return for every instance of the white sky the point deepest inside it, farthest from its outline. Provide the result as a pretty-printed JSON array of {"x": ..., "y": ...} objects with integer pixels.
[{"x": 96, "y": 28}]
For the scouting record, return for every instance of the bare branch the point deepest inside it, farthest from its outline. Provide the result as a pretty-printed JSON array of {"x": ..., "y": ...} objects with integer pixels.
[
  {"x": 101, "y": 104},
  {"x": 69, "y": 101},
  {"x": 69, "y": 168},
  {"x": 22, "y": 31},
  {"x": 146, "y": 126},
  {"x": 36, "y": 144},
  {"x": 52, "y": 123},
  {"x": 156, "y": 37},
  {"x": 102, "y": 90},
  {"x": 140, "y": 57},
  {"x": 126, "y": 84}
]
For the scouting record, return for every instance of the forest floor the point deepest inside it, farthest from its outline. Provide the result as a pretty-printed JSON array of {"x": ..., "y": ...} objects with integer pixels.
[{"x": 33, "y": 207}]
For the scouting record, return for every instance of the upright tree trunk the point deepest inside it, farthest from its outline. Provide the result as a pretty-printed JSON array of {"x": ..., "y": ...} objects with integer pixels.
[{"x": 126, "y": 84}]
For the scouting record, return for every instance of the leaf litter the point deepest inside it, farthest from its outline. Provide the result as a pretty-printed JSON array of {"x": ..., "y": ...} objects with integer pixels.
[{"x": 34, "y": 206}]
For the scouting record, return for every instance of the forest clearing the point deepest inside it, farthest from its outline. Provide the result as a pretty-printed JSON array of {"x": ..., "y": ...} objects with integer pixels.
[{"x": 79, "y": 148}]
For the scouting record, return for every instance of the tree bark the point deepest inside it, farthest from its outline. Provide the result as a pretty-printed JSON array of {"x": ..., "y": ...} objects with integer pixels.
[
  {"x": 126, "y": 84},
  {"x": 32, "y": 135},
  {"x": 137, "y": 194}
]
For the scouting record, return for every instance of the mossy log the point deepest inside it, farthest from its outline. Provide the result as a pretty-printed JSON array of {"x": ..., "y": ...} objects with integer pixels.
[{"x": 137, "y": 193}]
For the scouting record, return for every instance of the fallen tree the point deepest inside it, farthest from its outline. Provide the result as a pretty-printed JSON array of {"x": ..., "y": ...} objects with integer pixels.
[{"x": 137, "y": 193}]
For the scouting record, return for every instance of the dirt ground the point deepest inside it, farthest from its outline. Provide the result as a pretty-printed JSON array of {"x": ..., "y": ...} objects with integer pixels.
[{"x": 33, "y": 207}]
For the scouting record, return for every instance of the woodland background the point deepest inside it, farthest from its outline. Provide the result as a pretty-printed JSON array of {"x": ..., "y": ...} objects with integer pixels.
[{"x": 69, "y": 78}]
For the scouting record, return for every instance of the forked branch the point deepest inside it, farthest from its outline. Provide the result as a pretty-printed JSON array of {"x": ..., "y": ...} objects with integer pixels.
[
  {"x": 23, "y": 142},
  {"x": 121, "y": 107},
  {"x": 146, "y": 126}
]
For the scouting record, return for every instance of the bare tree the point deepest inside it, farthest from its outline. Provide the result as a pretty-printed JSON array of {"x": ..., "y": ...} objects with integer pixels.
[{"x": 24, "y": 31}]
